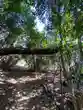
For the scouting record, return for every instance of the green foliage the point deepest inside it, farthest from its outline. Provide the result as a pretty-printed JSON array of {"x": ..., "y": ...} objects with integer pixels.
[
  {"x": 56, "y": 18},
  {"x": 12, "y": 6},
  {"x": 65, "y": 30},
  {"x": 79, "y": 24},
  {"x": 17, "y": 31},
  {"x": 10, "y": 22},
  {"x": 18, "y": 28}
]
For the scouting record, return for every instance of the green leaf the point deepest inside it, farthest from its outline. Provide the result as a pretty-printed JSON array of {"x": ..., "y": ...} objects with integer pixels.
[
  {"x": 11, "y": 38},
  {"x": 10, "y": 22},
  {"x": 65, "y": 3},
  {"x": 13, "y": 6},
  {"x": 44, "y": 43},
  {"x": 17, "y": 31}
]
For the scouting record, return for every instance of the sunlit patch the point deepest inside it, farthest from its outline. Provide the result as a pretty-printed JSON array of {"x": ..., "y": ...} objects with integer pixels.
[{"x": 39, "y": 25}]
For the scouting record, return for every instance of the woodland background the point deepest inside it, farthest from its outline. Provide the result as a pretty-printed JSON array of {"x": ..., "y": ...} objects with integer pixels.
[{"x": 52, "y": 72}]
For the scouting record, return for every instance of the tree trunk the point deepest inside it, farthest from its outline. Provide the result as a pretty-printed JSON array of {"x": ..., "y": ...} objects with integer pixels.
[{"x": 28, "y": 51}]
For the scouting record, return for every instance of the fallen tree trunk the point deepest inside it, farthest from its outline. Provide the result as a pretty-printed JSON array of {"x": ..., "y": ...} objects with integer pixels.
[{"x": 40, "y": 51}]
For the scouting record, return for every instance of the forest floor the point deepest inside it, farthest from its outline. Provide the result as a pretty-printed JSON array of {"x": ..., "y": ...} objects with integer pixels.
[
  {"x": 20, "y": 92},
  {"x": 23, "y": 93}
]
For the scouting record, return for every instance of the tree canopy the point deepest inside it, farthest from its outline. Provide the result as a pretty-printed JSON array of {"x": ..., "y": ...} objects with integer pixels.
[{"x": 62, "y": 28}]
